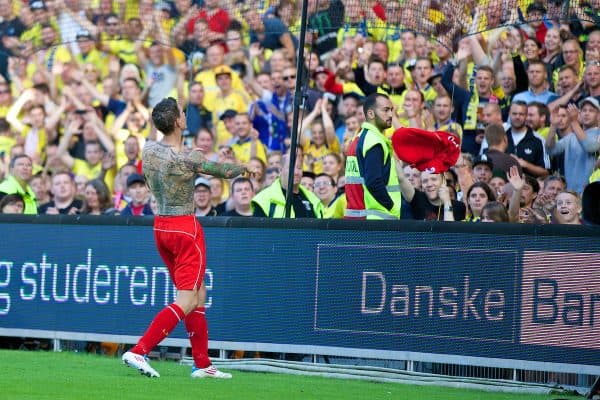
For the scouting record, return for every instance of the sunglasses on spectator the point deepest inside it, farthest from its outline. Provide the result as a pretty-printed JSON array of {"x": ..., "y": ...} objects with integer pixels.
[{"x": 287, "y": 78}]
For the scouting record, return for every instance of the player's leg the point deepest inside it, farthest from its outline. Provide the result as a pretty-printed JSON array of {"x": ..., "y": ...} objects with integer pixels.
[
  {"x": 170, "y": 243},
  {"x": 197, "y": 328}
]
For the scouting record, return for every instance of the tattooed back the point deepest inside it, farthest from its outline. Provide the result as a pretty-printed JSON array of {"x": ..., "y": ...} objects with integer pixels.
[{"x": 169, "y": 178}]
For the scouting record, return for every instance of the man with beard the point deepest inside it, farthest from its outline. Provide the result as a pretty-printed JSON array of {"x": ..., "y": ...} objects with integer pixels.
[{"x": 371, "y": 168}]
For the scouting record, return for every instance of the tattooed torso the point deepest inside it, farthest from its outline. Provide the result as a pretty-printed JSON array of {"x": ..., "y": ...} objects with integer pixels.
[{"x": 170, "y": 176}]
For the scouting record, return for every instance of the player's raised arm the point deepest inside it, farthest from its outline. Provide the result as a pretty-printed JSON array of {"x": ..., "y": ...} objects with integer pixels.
[{"x": 199, "y": 164}]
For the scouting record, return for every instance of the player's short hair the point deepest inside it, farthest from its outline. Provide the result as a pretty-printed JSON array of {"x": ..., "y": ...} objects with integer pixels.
[{"x": 165, "y": 114}]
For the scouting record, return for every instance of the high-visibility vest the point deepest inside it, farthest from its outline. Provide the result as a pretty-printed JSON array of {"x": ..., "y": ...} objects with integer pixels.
[
  {"x": 272, "y": 201},
  {"x": 360, "y": 202}
]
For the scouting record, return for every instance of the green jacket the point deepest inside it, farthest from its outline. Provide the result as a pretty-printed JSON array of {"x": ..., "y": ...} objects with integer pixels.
[
  {"x": 272, "y": 201},
  {"x": 11, "y": 186}
]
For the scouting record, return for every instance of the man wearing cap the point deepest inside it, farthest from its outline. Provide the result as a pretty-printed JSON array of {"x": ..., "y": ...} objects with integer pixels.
[
  {"x": 202, "y": 198},
  {"x": 88, "y": 54},
  {"x": 139, "y": 194},
  {"x": 482, "y": 169},
  {"x": 228, "y": 99},
  {"x": 580, "y": 145}
]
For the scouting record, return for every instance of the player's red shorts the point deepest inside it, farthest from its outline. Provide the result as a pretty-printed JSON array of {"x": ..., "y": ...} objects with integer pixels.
[{"x": 180, "y": 242}]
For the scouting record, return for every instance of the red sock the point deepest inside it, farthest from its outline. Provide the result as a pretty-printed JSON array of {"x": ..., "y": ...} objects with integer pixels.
[
  {"x": 197, "y": 329},
  {"x": 160, "y": 327}
]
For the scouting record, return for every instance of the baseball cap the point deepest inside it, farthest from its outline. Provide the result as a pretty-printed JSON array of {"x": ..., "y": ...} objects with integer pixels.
[
  {"x": 483, "y": 160},
  {"x": 222, "y": 70},
  {"x": 135, "y": 178},
  {"x": 83, "y": 34},
  {"x": 202, "y": 181},
  {"x": 229, "y": 113},
  {"x": 591, "y": 100},
  {"x": 37, "y": 5}
]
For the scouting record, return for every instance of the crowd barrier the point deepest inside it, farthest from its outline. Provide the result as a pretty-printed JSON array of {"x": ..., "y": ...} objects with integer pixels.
[{"x": 497, "y": 295}]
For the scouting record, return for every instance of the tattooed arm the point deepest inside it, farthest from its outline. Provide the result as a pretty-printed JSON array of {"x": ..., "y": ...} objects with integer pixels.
[{"x": 200, "y": 165}]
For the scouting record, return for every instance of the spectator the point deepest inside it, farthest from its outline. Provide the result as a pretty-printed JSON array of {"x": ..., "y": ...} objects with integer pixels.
[
  {"x": 204, "y": 142},
  {"x": 12, "y": 204},
  {"x": 494, "y": 211},
  {"x": 308, "y": 181},
  {"x": 270, "y": 32},
  {"x": 98, "y": 200},
  {"x": 414, "y": 176},
  {"x": 245, "y": 144},
  {"x": 579, "y": 146},
  {"x": 63, "y": 196},
  {"x": 197, "y": 116},
  {"x": 590, "y": 201},
  {"x": 217, "y": 18},
  {"x": 228, "y": 99},
  {"x": 538, "y": 85},
  {"x": 16, "y": 182},
  {"x": 546, "y": 199},
  {"x": 317, "y": 137},
  {"x": 139, "y": 194},
  {"x": 498, "y": 182},
  {"x": 40, "y": 184},
  {"x": 568, "y": 209},
  {"x": 334, "y": 203},
  {"x": 427, "y": 204},
  {"x": 270, "y": 202},
  {"x": 478, "y": 195},
  {"x": 537, "y": 118},
  {"x": 528, "y": 148},
  {"x": 482, "y": 170},
  {"x": 497, "y": 141},
  {"x": 219, "y": 190},
  {"x": 333, "y": 165},
  {"x": 242, "y": 192},
  {"x": 158, "y": 65},
  {"x": 37, "y": 133},
  {"x": 92, "y": 165},
  {"x": 202, "y": 198},
  {"x": 258, "y": 179}
]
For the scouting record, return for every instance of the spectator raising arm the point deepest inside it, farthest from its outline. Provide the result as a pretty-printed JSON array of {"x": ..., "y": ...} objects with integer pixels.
[
  {"x": 327, "y": 123},
  {"x": 63, "y": 146},
  {"x": 517, "y": 183},
  {"x": 15, "y": 110},
  {"x": 407, "y": 189},
  {"x": 304, "y": 139}
]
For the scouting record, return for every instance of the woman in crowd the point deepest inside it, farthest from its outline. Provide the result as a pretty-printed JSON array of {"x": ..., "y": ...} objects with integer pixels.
[
  {"x": 494, "y": 211},
  {"x": 98, "y": 200},
  {"x": 204, "y": 141},
  {"x": 478, "y": 195},
  {"x": 333, "y": 165}
]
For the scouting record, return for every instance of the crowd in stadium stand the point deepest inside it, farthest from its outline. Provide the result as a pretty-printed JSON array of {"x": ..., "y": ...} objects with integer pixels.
[{"x": 516, "y": 81}]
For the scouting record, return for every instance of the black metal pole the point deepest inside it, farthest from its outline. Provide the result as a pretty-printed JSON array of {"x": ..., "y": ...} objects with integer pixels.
[{"x": 297, "y": 101}]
